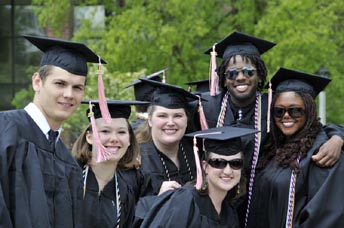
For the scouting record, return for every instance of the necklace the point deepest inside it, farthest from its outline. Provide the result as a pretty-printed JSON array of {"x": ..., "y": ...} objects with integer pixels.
[
  {"x": 118, "y": 196},
  {"x": 186, "y": 161}
]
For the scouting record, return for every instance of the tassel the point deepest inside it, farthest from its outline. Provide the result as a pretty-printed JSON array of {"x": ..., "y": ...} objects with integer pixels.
[
  {"x": 199, "y": 177},
  {"x": 101, "y": 95},
  {"x": 269, "y": 108},
  {"x": 102, "y": 153},
  {"x": 202, "y": 119},
  {"x": 214, "y": 78}
]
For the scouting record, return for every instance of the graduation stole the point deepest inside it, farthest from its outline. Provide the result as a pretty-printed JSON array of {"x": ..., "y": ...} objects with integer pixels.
[
  {"x": 118, "y": 196},
  {"x": 291, "y": 198},
  {"x": 257, "y": 139}
]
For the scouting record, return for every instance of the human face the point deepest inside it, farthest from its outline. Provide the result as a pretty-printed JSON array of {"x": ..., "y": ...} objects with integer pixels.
[
  {"x": 167, "y": 125},
  {"x": 287, "y": 124},
  {"x": 222, "y": 180},
  {"x": 59, "y": 95},
  {"x": 114, "y": 137},
  {"x": 242, "y": 89}
]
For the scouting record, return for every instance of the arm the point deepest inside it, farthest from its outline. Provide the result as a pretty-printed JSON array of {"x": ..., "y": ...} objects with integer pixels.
[
  {"x": 330, "y": 151},
  {"x": 325, "y": 198}
]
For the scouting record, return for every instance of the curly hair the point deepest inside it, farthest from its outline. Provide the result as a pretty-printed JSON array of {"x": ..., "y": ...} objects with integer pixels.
[
  {"x": 254, "y": 59},
  {"x": 286, "y": 150}
]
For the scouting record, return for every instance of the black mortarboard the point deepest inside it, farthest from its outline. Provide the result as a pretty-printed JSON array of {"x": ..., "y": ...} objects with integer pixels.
[
  {"x": 169, "y": 96},
  {"x": 70, "y": 56},
  {"x": 117, "y": 108},
  {"x": 144, "y": 91},
  {"x": 238, "y": 43},
  {"x": 222, "y": 140},
  {"x": 292, "y": 80},
  {"x": 201, "y": 86}
]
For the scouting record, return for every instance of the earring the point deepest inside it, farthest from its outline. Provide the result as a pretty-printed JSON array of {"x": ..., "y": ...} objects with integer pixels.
[
  {"x": 238, "y": 189},
  {"x": 204, "y": 186}
]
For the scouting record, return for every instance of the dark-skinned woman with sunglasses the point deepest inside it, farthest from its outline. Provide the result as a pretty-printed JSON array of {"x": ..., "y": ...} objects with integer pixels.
[
  {"x": 290, "y": 190},
  {"x": 207, "y": 204}
]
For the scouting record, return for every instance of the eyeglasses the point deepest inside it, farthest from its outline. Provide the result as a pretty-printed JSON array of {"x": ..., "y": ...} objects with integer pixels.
[
  {"x": 247, "y": 71},
  {"x": 295, "y": 112},
  {"x": 219, "y": 163}
]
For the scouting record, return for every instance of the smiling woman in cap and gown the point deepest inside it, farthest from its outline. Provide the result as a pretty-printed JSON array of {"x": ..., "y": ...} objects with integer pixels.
[
  {"x": 207, "y": 204},
  {"x": 290, "y": 190},
  {"x": 104, "y": 151},
  {"x": 167, "y": 159},
  {"x": 40, "y": 182}
]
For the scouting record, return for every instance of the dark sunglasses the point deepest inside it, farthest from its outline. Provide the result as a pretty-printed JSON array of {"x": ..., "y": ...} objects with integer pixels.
[
  {"x": 293, "y": 112},
  {"x": 247, "y": 71},
  {"x": 219, "y": 163}
]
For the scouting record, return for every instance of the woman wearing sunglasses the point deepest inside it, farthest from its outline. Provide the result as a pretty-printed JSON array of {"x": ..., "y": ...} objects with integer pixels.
[
  {"x": 207, "y": 204},
  {"x": 291, "y": 190}
]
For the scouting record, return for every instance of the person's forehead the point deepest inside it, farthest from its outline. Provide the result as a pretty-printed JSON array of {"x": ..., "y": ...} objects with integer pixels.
[
  {"x": 239, "y": 59},
  {"x": 161, "y": 109},
  {"x": 226, "y": 157}
]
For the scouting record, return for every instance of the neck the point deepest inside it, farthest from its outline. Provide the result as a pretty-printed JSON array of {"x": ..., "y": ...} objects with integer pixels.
[
  {"x": 242, "y": 103},
  {"x": 53, "y": 124},
  {"x": 103, "y": 172},
  {"x": 170, "y": 150},
  {"x": 217, "y": 198}
]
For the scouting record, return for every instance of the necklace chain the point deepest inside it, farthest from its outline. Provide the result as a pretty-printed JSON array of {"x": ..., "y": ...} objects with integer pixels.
[{"x": 186, "y": 161}]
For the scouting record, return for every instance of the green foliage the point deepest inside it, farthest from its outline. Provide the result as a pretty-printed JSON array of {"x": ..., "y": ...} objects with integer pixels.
[
  {"x": 309, "y": 35},
  {"x": 143, "y": 36}
]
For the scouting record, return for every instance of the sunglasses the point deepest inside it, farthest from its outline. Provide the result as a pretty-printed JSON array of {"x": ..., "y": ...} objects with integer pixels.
[
  {"x": 219, "y": 163},
  {"x": 293, "y": 112},
  {"x": 247, "y": 71}
]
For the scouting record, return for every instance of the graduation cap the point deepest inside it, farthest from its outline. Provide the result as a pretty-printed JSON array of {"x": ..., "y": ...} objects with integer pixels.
[
  {"x": 238, "y": 43},
  {"x": 70, "y": 56},
  {"x": 201, "y": 86},
  {"x": 144, "y": 91},
  {"x": 293, "y": 80},
  {"x": 223, "y": 140},
  {"x": 169, "y": 96},
  {"x": 117, "y": 108}
]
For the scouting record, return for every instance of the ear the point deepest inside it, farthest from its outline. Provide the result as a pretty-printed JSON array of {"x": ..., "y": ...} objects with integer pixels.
[
  {"x": 89, "y": 137},
  {"x": 149, "y": 121},
  {"x": 36, "y": 82}
]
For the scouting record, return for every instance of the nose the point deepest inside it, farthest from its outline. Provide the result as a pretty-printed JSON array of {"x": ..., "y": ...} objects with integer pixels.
[
  {"x": 170, "y": 120},
  {"x": 113, "y": 137},
  {"x": 240, "y": 75},
  {"x": 227, "y": 169},
  {"x": 68, "y": 92}
]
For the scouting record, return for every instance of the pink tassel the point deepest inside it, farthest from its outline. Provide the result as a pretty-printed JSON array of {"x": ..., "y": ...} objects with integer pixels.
[
  {"x": 102, "y": 153},
  {"x": 214, "y": 78},
  {"x": 269, "y": 108},
  {"x": 199, "y": 177},
  {"x": 101, "y": 95},
  {"x": 202, "y": 119}
]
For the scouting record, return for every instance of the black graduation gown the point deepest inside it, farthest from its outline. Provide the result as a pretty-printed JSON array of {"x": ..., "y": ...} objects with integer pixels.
[
  {"x": 212, "y": 110},
  {"x": 100, "y": 210},
  {"x": 38, "y": 187},
  {"x": 185, "y": 207},
  {"x": 154, "y": 172},
  {"x": 319, "y": 195}
]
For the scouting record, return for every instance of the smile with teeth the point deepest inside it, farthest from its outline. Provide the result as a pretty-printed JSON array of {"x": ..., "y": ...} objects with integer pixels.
[
  {"x": 288, "y": 124},
  {"x": 241, "y": 88},
  {"x": 170, "y": 131}
]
